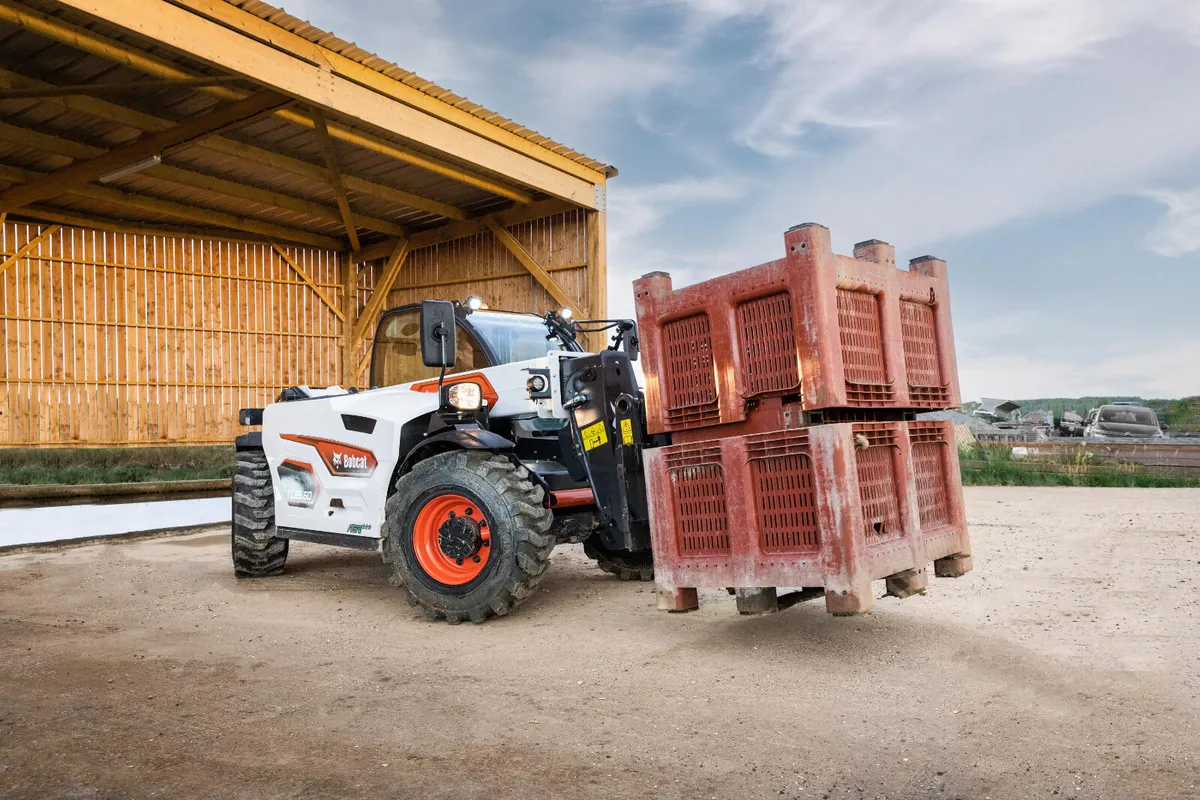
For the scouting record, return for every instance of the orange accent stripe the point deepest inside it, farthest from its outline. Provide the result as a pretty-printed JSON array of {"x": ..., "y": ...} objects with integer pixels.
[{"x": 485, "y": 386}]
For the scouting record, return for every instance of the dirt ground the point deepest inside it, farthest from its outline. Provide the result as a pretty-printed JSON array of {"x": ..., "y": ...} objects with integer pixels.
[{"x": 1066, "y": 666}]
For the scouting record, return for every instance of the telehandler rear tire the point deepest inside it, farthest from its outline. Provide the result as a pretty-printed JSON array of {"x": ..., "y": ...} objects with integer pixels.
[
  {"x": 257, "y": 551},
  {"x": 627, "y": 565},
  {"x": 467, "y": 534}
]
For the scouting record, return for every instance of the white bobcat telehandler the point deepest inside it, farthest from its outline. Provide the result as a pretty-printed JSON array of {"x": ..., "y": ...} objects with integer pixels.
[{"x": 487, "y": 438}]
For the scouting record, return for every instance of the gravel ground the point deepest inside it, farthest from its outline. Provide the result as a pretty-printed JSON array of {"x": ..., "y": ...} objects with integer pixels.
[{"x": 1066, "y": 666}]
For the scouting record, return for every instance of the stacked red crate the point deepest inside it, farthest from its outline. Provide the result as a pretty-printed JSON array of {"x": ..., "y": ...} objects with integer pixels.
[
  {"x": 830, "y": 507},
  {"x": 756, "y": 376},
  {"x": 811, "y": 332}
]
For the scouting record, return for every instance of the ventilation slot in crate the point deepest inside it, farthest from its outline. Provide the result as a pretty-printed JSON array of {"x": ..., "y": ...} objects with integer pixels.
[
  {"x": 701, "y": 514},
  {"x": 929, "y": 467},
  {"x": 861, "y": 335},
  {"x": 689, "y": 388},
  {"x": 922, "y": 361},
  {"x": 877, "y": 483},
  {"x": 767, "y": 336}
]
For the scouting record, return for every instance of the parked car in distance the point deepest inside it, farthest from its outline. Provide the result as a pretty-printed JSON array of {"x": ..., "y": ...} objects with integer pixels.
[
  {"x": 1071, "y": 424},
  {"x": 1120, "y": 421}
]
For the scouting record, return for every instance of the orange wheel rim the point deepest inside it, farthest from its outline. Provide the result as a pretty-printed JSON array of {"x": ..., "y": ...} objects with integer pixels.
[{"x": 451, "y": 539}]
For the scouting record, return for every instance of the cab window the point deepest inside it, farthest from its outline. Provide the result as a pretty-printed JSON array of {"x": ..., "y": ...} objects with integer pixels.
[{"x": 397, "y": 356}]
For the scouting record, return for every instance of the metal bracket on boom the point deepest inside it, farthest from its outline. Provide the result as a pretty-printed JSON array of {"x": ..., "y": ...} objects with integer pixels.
[{"x": 606, "y": 437}]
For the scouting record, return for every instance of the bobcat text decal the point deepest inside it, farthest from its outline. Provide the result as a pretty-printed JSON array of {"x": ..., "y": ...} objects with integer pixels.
[{"x": 340, "y": 458}]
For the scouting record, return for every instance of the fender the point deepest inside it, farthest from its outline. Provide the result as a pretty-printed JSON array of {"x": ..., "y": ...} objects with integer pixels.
[
  {"x": 464, "y": 438},
  {"x": 249, "y": 441}
]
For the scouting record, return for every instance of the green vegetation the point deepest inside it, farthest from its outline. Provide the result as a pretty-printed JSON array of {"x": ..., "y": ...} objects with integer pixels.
[
  {"x": 114, "y": 465},
  {"x": 995, "y": 466}
]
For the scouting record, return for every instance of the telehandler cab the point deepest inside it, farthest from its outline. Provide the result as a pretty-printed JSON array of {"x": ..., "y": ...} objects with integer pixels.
[{"x": 487, "y": 438}]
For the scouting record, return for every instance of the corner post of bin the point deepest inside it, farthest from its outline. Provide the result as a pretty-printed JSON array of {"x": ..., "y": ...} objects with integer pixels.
[
  {"x": 959, "y": 563},
  {"x": 727, "y": 357},
  {"x": 740, "y": 503},
  {"x": 934, "y": 267},
  {"x": 845, "y": 560},
  {"x": 891, "y": 328},
  {"x": 910, "y": 511},
  {"x": 649, "y": 292},
  {"x": 812, "y": 276}
]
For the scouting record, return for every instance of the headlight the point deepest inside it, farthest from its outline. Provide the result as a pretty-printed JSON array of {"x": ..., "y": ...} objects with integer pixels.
[{"x": 465, "y": 396}]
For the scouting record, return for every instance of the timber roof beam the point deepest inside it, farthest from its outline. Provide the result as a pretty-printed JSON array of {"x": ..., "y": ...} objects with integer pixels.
[
  {"x": 83, "y": 172},
  {"x": 104, "y": 109},
  {"x": 282, "y": 70}
]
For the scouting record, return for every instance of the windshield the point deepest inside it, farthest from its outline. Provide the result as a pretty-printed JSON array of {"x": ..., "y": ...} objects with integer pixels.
[
  {"x": 1128, "y": 416},
  {"x": 514, "y": 337}
]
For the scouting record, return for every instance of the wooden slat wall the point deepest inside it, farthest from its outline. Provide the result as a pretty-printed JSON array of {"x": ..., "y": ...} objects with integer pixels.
[
  {"x": 130, "y": 339},
  {"x": 479, "y": 264},
  {"x": 114, "y": 338}
]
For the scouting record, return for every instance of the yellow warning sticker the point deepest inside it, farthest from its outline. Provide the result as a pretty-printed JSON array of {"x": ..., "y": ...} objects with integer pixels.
[
  {"x": 594, "y": 435},
  {"x": 626, "y": 431}
]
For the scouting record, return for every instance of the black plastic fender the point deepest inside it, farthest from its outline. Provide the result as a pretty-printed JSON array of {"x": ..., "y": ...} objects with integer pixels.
[
  {"x": 249, "y": 441},
  {"x": 466, "y": 437}
]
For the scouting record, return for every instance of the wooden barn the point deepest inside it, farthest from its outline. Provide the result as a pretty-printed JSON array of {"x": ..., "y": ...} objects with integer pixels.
[{"x": 204, "y": 201}]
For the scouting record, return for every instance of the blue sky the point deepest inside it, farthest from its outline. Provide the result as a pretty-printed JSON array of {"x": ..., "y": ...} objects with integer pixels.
[{"x": 1050, "y": 152}]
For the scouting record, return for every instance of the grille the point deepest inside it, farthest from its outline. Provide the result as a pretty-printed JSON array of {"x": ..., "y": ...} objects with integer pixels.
[
  {"x": 768, "y": 340},
  {"x": 930, "y": 473},
  {"x": 690, "y": 388},
  {"x": 877, "y": 483},
  {"x": 701, "y": 515},
  {"x": 862, "y": 348},
  {"x": 921, "y": 359}
]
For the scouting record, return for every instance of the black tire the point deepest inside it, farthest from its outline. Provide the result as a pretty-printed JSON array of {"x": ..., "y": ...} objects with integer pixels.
[
  {"x": 519, "y": 524},
  {"x": 628, "y": 565},
  {"x": 257, "y": 551}
]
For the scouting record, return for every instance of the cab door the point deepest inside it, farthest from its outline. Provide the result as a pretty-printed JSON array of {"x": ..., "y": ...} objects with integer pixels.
[{"x": 396, "y": 357}]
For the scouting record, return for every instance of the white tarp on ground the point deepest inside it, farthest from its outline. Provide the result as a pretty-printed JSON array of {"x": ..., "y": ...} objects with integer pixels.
[{"x": 57, "y": 523}]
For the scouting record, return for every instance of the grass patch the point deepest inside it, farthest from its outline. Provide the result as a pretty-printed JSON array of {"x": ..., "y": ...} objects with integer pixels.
[
  {"x": 77, "y": 466},
  {"x": 995, "y": 466}
]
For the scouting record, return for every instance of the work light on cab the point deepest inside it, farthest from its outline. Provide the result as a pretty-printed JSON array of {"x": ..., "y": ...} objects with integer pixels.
[{"x": 465, "y": 396}]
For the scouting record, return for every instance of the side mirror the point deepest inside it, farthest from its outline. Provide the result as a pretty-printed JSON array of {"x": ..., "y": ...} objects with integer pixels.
[
  {"x": 438, "y": 331},
  {"x": 633, "y": 346}
]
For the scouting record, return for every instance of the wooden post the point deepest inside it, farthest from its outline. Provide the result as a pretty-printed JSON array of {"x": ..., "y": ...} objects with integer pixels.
[
  {"x": 597, "y": 279},
  {"x": 349, "y": 271}
]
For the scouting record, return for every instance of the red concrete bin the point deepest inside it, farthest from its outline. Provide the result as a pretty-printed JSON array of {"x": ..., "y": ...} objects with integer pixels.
[
  {"x": 831, "y": 507},
  {"x": 814, "y": 328}
]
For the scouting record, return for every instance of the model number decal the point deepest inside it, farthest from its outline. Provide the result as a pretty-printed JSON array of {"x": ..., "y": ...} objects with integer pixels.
[
  {"x": 594, "y": 435},
  {"x": 358, "y": 528}
]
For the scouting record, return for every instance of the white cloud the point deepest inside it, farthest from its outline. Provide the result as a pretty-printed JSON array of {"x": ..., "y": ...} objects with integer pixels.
[
  {"x": 584, "y": 82},
  {"x": 1151, "y": 371},
  {"x": 638, "y": 210},
  {"x": 1178, "y": 233},
  {"x": 635, "y": 216},
  {"x": 853, "y": 64}
]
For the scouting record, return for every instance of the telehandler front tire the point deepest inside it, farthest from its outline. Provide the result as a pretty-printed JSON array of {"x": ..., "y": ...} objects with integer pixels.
[
  {"x": 257, "y": 551},
  {"x": 467, "y": 535}
]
